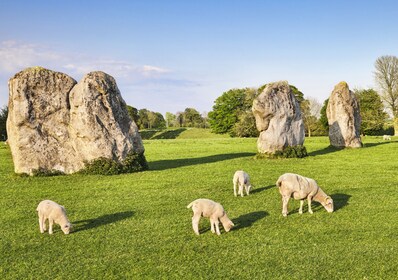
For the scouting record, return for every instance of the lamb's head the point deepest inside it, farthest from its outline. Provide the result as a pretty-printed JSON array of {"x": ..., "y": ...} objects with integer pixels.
[
  {"x": 327, "y": 202},
  {"x": 66, "y": 228},
  {"x": 226, "y": 223}
]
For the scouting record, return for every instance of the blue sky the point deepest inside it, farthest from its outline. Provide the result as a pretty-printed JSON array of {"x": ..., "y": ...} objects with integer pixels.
[{"x": 170, "y": 55}]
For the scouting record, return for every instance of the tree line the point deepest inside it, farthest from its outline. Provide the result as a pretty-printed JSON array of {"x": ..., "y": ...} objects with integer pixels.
[{"x": 232, "y": 112}]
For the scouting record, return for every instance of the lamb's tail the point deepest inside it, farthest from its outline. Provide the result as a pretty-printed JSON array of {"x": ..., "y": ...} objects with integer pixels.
[
  {"x": 190, "y": 204},
  {"x": 279, "y": 183}
]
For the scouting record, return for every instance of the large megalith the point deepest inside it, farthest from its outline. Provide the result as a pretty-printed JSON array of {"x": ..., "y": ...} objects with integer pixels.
[
  {"x": 278, "y": 118},
  {"x": 344, "y": 118},
  {"x": 56, "y": 124}
]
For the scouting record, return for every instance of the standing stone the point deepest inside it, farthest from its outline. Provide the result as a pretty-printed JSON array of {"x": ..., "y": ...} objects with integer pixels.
[
  {"x": 99, "y": 121},
  {"x": 55, "y": 123},
  {"x": 38, "y": 119},
  {"x": 344, "y": 118},
  {"x": 278, "y": 118}
]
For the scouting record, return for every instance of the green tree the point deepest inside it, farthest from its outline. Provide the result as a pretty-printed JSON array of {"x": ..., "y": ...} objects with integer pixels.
[
  {"x": 192, "y": 118},
  {"x": 3, "y": 122},
  {"x": 324, "y": 118},
  {"x": 228, "y": 107},
  {"x": 170, "y": 119},
  {"x": 372, "y": 111},
  {"x": 148, "y": 119},
  {"x": 133, "y": 113},
  {"x": 386, "y": 75},
  {"x": 246, "y": 126}
]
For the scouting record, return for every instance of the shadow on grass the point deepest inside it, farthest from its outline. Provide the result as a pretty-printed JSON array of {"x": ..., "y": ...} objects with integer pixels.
[
  {"x": 247, "y": 220},
  {"x": 340, "y": 200},
  {"x": 170, "y": 134},
  {"x": 147, "y": 134},
  {"x": 331, "y": 149},
  {"x": 257, "y": 190},
  {"x": 175, "y": 163},
  {"x": 324, "y": 151},
  {"x": 101, "y": 221}
]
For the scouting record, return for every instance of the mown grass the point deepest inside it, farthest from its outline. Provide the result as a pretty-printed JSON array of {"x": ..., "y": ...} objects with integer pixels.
[{"x": 136, "y": 226}]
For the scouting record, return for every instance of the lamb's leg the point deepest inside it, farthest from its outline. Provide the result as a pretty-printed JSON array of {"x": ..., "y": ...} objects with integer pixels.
[
  {"x": 301, "y": 206},
  {"x": 212, "y": 223},
  {"x": 285, "y": 201},
  {"x": 216, "y": 223},
  {"x": 195, "y": 223},
  {"x": 41, "y": 221},
  {"x": 247, "y": 189},
  {"x": 50, "y": 225},
  {"x": 235, "y": 188},
  {"x": 309, "y": 199},
  {"x": 241, "y": 190}
]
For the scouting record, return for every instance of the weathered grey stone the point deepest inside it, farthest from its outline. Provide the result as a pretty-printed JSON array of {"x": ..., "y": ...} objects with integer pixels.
[
  {"x": 344, "y": 118},
  {"x": 278, "y": 118},
  {"x": 100, "y": 124},
  {"x": 56, "y": 124}
]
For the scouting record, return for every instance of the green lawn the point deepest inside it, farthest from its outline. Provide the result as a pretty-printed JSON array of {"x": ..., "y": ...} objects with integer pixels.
[{"x": 137, "y": 226}]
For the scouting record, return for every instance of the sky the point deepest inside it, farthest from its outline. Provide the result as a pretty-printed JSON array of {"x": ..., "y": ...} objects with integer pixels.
[{"x": 170, "y": 55}]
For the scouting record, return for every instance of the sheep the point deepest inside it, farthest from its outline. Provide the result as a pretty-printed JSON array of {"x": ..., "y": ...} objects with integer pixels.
[
  {"x": 241, "y": 178},
  {"x": 299, "y": 187},
  {"x": 386, "y": 137},
  {"x": 209, "y": 209},
  {"x": 55, "y": 213}
]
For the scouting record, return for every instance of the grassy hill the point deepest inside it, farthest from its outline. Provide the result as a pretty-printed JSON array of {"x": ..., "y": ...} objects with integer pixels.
[
  {"x": 137, "y": 226},
  {"x": 180, "y": 133}
]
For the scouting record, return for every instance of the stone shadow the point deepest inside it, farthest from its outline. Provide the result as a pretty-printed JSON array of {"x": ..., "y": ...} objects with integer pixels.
[
  {"x": 100, "y": 221},
  {"x": 175, "y": 163},
  {"x": 247, "y": 220},
  {"x": 257, "y": 190}
]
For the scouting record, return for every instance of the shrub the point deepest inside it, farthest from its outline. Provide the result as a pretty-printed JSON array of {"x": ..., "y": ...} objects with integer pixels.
[
  {"x": 298, "y": 151},
  {"x": 104, "y": 166},
  {"x": 41, "y": 172}
]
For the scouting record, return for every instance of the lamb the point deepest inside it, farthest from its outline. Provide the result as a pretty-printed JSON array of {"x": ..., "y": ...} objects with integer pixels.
[
  {"x": 386, "y": 137},
  {"x": 209, "y": 209},
  {"x": 242, "y": 179},
  {"x": 55, "y": 213},
  {"x": 299, "y": 187}
]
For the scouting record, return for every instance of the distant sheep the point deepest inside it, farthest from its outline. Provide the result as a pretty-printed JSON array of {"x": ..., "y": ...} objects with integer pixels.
[
  {"x": 55, "y": 213},
  {"x": 299, "y": 187},
  {"x": 241, "y": 179},
  {"x": 209, "y": 209},
  {"x": 386, "y": 137}
]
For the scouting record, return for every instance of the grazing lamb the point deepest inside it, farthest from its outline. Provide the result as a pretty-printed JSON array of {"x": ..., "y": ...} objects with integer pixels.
[
  {"x": 242, "y": 179},
  {"x": 55, "y": 213},
  {"x": 299, "y": 187},
  {"x": 209, "y": 209},
  {"x": 386, "y": 137}
]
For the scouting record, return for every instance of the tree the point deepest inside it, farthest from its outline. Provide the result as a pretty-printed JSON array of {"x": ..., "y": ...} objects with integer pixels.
[
  {"x": 386, "y": 76},
  {"x": 324, "y": 118},
  {"x": 310, "y": 110},
  {"x": 3, "y": 122},
  {"x": 228, "y": 107},
  {"x": 133, "y": 113},
  {"x": 372, "y": 111},
  {"x": 246, "y": 126},
  {"x": 148, "y": 119},
  {"x": 170, "y": 119},
  {"x": 192, "y": 118}
]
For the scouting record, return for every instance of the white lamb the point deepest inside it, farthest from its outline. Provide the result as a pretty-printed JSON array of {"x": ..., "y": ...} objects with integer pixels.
[
  {"x": 55, "y": 213},
  {"x": 299, "y": 187},
  {"x": 386, "y": 137},
  {"x": 242, "y": 179},
  {"x": 209, "y": 209}
]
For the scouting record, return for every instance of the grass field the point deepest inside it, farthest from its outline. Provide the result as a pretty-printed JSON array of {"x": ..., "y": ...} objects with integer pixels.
[{"x": 137, "y": 226}]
